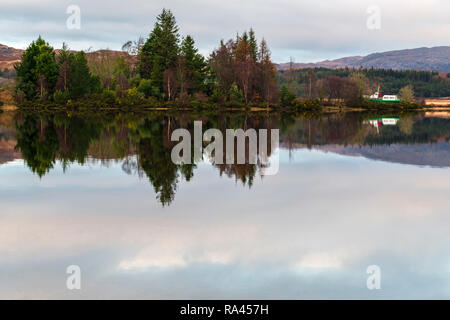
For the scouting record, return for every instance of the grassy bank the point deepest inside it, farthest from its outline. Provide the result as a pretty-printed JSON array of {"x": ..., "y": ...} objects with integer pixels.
[{"x": 101, "y": 103}]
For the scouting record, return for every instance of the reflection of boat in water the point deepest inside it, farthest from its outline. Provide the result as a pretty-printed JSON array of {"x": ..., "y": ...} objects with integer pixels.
[{"x": 382, "y": 121}]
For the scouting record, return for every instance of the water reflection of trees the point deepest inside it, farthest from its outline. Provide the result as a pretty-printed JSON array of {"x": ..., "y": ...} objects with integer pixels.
[
  {"x": 38, "y": 143},
  {"x": 141, "y": 142},
  {"x": 427, "y": 130}
]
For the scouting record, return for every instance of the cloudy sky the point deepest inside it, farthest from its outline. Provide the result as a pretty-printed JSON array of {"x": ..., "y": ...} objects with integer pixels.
[
  {"x": 219, "y": 240},
  {"x": 304, "y": 30}
]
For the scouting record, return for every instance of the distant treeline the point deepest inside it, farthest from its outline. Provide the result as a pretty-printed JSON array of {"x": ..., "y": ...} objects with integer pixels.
[{"x": 304, "y": 82}]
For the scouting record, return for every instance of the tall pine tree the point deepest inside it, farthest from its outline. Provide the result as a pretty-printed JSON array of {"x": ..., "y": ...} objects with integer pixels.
[
  {"x": 195, "y": 64},
  {"x": 160, "y": 51},
  {"x": 65, "y": 61},
  {"x": 38, "y": 71},
  {"x": 82, "y": 82},
  {"x": 253, "y": 44}
]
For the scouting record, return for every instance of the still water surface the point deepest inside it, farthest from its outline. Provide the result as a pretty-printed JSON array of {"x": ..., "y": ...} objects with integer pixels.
[{"x": 100, "y": 192}]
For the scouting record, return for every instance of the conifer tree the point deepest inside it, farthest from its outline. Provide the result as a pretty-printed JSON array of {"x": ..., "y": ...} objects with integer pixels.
[
  {"x": 83, "y": 82},
  {"x": 195, "y": 63},
  {"x": 160, "y": 51},
  {"x": 38, "y": 71},
  {"x": 64, "y": 60},
  {"x": 253, "y": 44}
]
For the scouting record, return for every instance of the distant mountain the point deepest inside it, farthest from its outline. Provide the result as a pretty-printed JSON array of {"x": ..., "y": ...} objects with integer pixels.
[
  {"x": 435, "y": 58},
  {"x": 11, "y": 56}
]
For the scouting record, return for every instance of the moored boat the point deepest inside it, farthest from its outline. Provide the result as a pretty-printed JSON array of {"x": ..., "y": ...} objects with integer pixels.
[{"x": 378, "y": 97}]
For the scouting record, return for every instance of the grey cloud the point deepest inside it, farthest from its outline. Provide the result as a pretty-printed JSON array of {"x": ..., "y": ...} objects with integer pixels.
[{"x": 303, "y": 29}]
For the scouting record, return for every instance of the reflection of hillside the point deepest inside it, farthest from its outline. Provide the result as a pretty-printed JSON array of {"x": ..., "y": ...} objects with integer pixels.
[
  {"x": 7, "y": 138},
  {"x": 425, "y": 130},
  {"x": 436, "y": 155},
  {"x": 7, "y": 151},
  {"x": 412, "y": 140},
  {"x": 352, "y": 130}
]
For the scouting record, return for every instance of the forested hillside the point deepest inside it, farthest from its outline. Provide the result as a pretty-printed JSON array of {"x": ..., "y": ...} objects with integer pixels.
[{"x": 425, "y": 83}]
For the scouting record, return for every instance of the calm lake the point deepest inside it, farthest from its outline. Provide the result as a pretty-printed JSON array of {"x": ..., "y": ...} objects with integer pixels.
[{"x": 100, "y": 191}]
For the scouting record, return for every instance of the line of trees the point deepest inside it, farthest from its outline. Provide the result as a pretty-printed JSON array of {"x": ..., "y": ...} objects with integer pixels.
[
  {"x": 43, "y": 75},
  {"x": 336, "y": 89},
  {"x": 239, "y": 71},
  {"x": 243, "y": 71},
  {"x": 171, "y": 64},
  {"x": 169, "y": 67},
  {"x": 315, "y": 82},
  {"x": 163, "y": 67}
]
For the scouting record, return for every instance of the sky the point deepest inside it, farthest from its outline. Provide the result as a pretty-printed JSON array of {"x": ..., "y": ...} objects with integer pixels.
[{"x": 307, "y": 31}]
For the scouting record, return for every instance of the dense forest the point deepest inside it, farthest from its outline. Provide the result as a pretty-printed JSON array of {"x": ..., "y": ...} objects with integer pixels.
[
  {"x": 315, "y": 82},
  {"x": 163, "y": 68}
]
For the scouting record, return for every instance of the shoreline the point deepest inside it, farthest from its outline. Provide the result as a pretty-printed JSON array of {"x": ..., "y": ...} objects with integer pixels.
[{"x": 137, "y": 109}]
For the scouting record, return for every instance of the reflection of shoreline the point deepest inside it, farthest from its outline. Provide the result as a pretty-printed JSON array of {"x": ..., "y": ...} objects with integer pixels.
[
  {"x": 8, "y": 108},
  {"x": 434, "y": 155},
  {"x": 437, "y": 114},
  {"x": 143, "y": 145},
  {"x": 327, "y": 133}
]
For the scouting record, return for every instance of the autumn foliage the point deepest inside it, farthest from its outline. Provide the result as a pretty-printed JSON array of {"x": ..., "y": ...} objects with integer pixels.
[{"x": 243, "y": 71}]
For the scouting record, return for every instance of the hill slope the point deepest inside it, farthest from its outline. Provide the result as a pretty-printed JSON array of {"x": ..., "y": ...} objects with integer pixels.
[
  {"x": 9, "y": 56},
  {"x": 435, "y": 58}
]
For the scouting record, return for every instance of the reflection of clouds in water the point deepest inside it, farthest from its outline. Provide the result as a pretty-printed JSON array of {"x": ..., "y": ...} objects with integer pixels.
[
  {"x": 323, "y": 219},
  {"x": 320, "y": 260}
]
